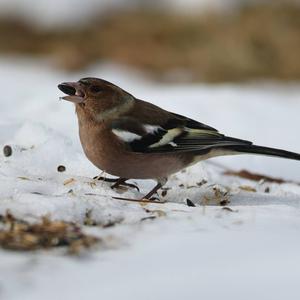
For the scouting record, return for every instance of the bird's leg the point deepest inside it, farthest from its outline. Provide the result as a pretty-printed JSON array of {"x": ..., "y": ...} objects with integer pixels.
[
  {"x": 160, "y": 183},
  {"x": 153, "y": 191},
  {"x": 147, "y": 198}
]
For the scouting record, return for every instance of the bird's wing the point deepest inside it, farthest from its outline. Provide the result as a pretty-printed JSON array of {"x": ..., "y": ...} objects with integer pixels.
[{"x": 175, "y": 134}]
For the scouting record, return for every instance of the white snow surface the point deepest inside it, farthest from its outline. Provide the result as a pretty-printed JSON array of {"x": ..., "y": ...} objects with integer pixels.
[{"x": 201, "y": 252}]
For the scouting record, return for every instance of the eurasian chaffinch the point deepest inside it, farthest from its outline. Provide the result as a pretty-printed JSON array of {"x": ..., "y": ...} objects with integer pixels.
[{"x": 134, "y": 139}]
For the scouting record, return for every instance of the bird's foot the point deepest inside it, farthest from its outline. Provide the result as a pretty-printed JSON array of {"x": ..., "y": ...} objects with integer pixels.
[
  {"x": 101, "y": 178},
  {"x": 117, "y": 182},
  {"x": 153, "y": 199},
  {"x": 122, "y": 182},
  {"x": 146, "y": 199}
]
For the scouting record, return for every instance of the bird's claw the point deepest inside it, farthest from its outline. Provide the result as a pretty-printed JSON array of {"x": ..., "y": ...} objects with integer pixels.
[
  {"x": 116, "y": 185},
  {"x": 117, "y": 182},
  {"x": 106, "y": 179}
]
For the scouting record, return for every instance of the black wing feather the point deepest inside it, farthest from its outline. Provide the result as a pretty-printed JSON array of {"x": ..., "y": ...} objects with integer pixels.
[{"x": 192, "y": 136}]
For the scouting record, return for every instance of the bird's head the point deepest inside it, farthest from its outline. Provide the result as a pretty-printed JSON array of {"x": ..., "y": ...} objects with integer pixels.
[{"x": 95, "y": 96}]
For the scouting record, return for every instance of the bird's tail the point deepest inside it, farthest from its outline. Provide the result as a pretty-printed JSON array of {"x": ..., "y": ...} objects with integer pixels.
[{"x": 265, "y": 151}]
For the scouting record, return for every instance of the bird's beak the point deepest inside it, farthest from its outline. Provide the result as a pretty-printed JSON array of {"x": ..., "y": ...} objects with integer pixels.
[{"x": 74, "y": 91}]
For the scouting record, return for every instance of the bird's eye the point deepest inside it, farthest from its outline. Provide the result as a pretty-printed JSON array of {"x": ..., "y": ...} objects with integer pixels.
[{"x": 95, "y": 89}]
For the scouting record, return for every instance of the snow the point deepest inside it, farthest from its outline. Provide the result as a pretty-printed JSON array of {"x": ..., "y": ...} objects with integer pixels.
[{"x": 192, "y": 252}]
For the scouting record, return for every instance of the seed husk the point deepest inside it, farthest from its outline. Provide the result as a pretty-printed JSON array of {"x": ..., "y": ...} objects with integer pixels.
[
  {"x": 7, "y": 151},
  {"x": 19, "y": 235},
  {"x": 190, "y": 203},
  {"x": 61, "y": 168}
]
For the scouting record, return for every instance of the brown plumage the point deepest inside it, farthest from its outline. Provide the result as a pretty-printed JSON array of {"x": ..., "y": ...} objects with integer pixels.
[{"x": 131, "y": 138}]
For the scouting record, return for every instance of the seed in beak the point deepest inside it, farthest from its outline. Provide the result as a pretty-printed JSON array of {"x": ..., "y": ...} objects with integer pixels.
[
  {"x": 67, "y": 89},
  {"x": 73, "y": 90}
]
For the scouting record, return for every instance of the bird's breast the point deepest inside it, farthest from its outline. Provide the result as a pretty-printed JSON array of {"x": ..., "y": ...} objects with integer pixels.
[
  {"x": 100, "y": 146},
  {"x": 107, "y": 152}
]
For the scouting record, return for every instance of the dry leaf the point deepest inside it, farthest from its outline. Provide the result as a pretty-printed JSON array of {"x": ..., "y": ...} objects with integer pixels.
[{"x": 256, "y": 177}]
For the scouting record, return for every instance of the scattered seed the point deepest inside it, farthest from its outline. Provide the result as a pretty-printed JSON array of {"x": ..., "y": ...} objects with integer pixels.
[
  {"x": 68, "y": 181},
  {"x": 88, "y": 220},
  {"x": 224, "y": 202},
  {"x": 61, "y": 168},
  {"x": 247, "y": 188},
  {"x": 92, "y": 184},
  {"x": 110, "y": 224},
  {"x": 229, "y": 209},
  {"x": 148, "y": 218},
  {"x": 190, "y": 187},
  {"x": 190, "y": 203},
  {"x": 37, "y": 193},
  {"x": 160, "y": 213},
  {"x": 23, "y": 178},
  {"x": 202, "y": 182},
  {"x": 164, "y": 193},
  {"x": 18, "y": 235},
  {"x": 7, "y": 151}
]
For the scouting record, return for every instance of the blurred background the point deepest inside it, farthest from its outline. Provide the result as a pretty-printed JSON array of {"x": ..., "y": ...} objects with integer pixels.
[
  {"x": 232, "y": 64},
  {"x": 212, "y": 41}
]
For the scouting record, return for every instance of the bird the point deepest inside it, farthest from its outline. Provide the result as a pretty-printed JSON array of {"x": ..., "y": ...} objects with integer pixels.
[{"x": 133, "y": 139}]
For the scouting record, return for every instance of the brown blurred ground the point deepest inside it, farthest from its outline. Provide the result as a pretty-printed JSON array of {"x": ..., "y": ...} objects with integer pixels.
[{"x": 256, "y": 42}]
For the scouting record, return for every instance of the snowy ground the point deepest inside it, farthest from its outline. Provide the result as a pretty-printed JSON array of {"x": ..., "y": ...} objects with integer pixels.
[{"x": 180, "y": 251}]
